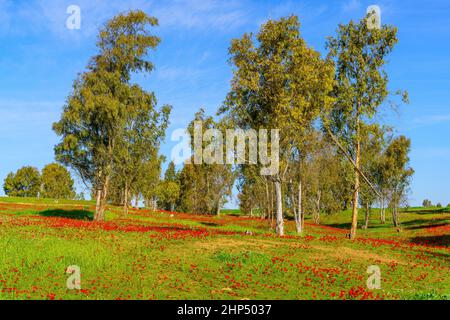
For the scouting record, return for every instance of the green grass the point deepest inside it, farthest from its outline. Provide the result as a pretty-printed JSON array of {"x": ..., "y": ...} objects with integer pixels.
[
  {"x": 179, "y": 256},
  {"x": 19, "y": 200}
]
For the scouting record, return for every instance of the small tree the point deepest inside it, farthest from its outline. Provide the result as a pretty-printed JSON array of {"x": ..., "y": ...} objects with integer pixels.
[
  {"x": 26, "y": 182},
  {"x": 57, "y": 182},
  {"x": 439, "y": 205},
  {"x": 427, "y": 203},
  {"x": 168, "y": 190}
]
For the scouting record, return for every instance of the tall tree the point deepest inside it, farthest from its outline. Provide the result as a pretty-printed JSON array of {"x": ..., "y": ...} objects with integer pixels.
[
  {"x": 361, "y": 87},
  {"x": 205, "y": 186},
  {"x": 57, "y": 182},
  {"x": 96, "y": 112},
  {"x": 139, "y": 140}
]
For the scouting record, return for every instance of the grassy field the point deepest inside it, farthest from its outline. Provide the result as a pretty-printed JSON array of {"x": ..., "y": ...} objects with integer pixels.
[{"x": 163, "y": 255}]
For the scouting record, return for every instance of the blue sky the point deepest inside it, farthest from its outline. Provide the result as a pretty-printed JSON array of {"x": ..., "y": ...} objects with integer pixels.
[{"x": 40, "y": 58}]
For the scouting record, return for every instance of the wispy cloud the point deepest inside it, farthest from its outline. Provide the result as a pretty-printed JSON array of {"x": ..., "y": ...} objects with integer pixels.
[
  {"x": 201, "y": 14},
  {"x": 351, "y": 5},
  {"x": 50, "y": 16},
  {"x": 432, "y": 120}
]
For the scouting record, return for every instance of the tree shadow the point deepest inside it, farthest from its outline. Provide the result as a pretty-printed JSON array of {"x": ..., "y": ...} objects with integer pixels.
[
  {"x": 68, "y": 214},
  {"x": 428, "y": 211},
  {"x": 210, "y": 224},
  {"x": 423, "y": 224},
  {"x": 439, "y": 240},
  {"x": 345, "y": 225}
]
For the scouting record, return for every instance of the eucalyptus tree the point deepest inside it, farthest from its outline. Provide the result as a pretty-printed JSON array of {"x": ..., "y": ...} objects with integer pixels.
[
  {"x": 279, "y": 83},
  {"x": 96, "y": 111},
  {"x": 360, "y": 89},
  {"x": 372, "y": 145},
  {"x": 397, "y": 173},
  {"x": 168, "y": 190},
  {"x": 139, "y": 140},
  {"x": 206, "y": 182}
]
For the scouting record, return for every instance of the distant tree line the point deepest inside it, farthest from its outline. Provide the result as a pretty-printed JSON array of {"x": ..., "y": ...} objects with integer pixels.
[{"x": 54, "y": 182}]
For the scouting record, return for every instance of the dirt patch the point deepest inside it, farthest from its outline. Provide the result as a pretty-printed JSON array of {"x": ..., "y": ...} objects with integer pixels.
[
  {"x": 221, "y": 243},
  {"x": 345, "y": 252}
]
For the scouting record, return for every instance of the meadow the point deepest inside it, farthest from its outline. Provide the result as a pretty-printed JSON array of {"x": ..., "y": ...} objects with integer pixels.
[{"x": 169, "y": 255}]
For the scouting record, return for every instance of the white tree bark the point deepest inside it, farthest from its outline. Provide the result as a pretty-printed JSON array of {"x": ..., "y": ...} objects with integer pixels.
[{"x": 279, "y": 205}]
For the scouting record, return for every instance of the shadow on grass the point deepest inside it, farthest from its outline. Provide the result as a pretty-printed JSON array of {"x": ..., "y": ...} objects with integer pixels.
[
  {"x": 423, "y": 223},
  {"x": 339, "y": 225},
  {"x": 69, "y": 214},
  {"x": 440, "y": 240},
  {"x": 428, "y": 211},
  {"x": 210, "y": 224}
]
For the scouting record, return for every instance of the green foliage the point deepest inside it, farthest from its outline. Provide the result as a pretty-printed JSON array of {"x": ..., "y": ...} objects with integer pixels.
[
  {"x": 149, "y": 180},
  {"x": 361, "y": 82},
  {"x": 427, "y": 203},
  {"x": 204, "y": 188},
  {"x": 57, "y": 182},
  {"x": 171, "y": 173},
  {"x": 167, "y": 193},
  {"x": 360, "y": 89},
  {"x": 26, "y": 182},
  {"x": 395, "y": 170},
  {"x": 103, "y": 104}
]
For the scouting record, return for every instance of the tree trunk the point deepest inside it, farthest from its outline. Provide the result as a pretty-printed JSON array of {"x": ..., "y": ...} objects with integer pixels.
[
  {"x": 293, "y": 205},
  {"x": 279, "y": 205},
  {"x": 356, "y": 191},
  {"x": 317, "y": 211},
  {"x": 98, "y": 208},
  {"x": 366, "y": 221},
  {"x": 136, "y": 202},
  {"x": 395, "y": 216},
  {"x": 125, "y": 200},
  {"x": 267, "y": 213},
  {"x": 382, "y": 212},
  {"x": 218, "y": 208},
  {"x": 101, "y": 202},
  {"x": 300, "y": 221},
  {"x": 271, "y": 206}
]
